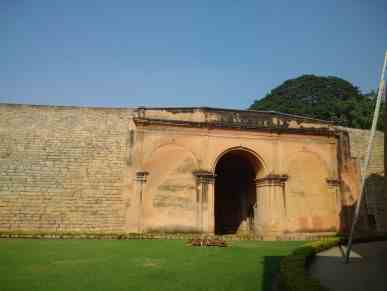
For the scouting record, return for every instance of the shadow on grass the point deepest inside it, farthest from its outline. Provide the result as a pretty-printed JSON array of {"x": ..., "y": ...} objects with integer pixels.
[{"x": 271, "y": 267}]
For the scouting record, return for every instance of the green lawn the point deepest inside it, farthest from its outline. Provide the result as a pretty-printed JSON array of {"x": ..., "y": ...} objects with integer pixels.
[{"x": 138, "y": 265}]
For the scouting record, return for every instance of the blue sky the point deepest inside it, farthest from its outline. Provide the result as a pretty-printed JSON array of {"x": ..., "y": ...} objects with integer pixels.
[{"x": 182, "y": 53}]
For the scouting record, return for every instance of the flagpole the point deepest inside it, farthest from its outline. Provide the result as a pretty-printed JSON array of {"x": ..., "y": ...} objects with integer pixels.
[{"x": 367, "y": 159}]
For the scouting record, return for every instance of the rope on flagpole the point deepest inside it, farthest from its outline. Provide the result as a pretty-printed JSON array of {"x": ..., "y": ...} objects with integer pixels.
[{"x": 367, "y": 159}]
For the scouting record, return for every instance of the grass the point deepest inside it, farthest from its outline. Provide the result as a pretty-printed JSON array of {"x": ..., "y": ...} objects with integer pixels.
[{"x": 138, "y": 265}]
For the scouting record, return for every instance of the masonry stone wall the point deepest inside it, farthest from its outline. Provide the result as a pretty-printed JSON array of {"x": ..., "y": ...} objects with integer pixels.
[
  {"x": 375, "y": 200},
  {"x": 358, "y": 146},
  {"x": 63, "y": 168}
]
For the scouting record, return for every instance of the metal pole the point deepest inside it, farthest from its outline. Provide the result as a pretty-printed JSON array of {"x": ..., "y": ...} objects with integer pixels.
[{"x": 367, "y": 159}]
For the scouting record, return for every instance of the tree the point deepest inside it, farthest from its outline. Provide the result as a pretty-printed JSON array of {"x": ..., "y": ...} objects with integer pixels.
[{"x": 328, "y": 98}]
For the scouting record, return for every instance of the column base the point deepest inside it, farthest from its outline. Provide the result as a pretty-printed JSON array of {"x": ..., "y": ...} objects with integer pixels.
[{"x": 244, "y": 228}]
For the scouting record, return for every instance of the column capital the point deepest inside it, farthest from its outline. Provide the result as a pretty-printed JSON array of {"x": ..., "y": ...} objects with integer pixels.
[
  {"x": 272, "y": 180},
  {"x": 141, "y": 176},
  {"x": 333, "y": 182},
  {"x": 205, "y": 177}
]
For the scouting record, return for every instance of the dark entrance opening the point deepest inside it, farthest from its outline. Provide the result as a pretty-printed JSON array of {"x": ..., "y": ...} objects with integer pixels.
[{"x": 235, "y": 192}]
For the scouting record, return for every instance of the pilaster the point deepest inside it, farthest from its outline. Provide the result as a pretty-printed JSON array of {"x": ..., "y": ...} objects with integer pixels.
[
  {"x": 141, "y": 179},
  {"x": 205, "y": 201},
  {"x": 270, "y": 211},
  {"x": 335, "y": 198}
]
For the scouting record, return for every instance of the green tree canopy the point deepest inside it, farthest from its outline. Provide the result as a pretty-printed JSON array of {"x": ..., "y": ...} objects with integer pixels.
[{"x": 328, "y": 98}]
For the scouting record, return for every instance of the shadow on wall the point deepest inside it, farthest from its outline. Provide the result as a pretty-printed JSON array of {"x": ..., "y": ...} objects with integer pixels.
[
  {"x": 373, "y": 212},
  {"x": 375, "y": 202}
]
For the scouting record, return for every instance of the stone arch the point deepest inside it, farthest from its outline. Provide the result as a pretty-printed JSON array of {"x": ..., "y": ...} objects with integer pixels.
[
  {"x": 170, "y": 160},
  {"x": 170, "y": 191},
  {"x": 236, "y": 171},
  {"x": 257, "y": 161},
  {"x": 166, "y": 144}
]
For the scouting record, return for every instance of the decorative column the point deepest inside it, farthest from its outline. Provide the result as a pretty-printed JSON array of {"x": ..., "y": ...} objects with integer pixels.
[
  {"x": 205, "y": 201},
  {"x": 141, "y": 178},
  {"x": 335, "y": 198},
  {"x": 270, "y": 210}
]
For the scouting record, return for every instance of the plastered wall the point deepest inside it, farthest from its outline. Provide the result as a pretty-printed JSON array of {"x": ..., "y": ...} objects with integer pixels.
[{"x": 172, "y": 154}]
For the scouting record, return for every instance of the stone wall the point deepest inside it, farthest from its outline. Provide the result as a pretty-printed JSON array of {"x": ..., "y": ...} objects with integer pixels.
[
  {"x": 358, "y": 145},
  {"x": 63, "y": 168},
  {"x": 375, "y": 201}
]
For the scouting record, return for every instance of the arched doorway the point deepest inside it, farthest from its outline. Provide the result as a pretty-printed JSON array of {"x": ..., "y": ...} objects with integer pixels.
[{"x": 235, "y": 191}]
